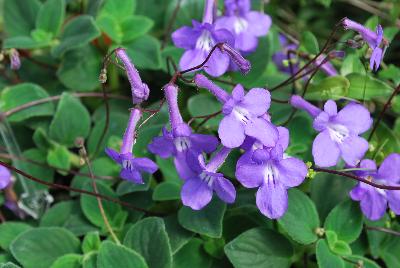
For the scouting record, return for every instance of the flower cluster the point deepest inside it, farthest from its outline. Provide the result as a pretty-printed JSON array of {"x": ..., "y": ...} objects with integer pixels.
[{"x": 246, "y": 123}]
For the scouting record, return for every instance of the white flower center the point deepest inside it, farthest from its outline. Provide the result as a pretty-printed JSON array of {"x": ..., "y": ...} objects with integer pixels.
[
  {"x": 126, "y": 164},
  {"x": 270, "y": 173},
  {"x": 207, "y": 178},
  {"x": 205, "y": 42},
  {"x": 241, "y": 114},
  {"x": 338, "y": 133},
  {"x": 240, "y": 25},
  {"x": 182, "y": 143}
]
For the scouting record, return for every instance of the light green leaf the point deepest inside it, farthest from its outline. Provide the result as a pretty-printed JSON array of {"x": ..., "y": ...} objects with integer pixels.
[
  {"x": 77, "y": 33},
  {"x": 301, "y": 219},
  {"x": 259, "y": 248},
  {"x": 115, "y": 256},
  {"x": 207, "y": 221},
  {"x": 68, "y": 261},
  {"x": 91, "y": 242},
  {"x": 59, "y": 156},
  {"x": 9, "y": 231},
  {"x": 40, "y": 247},
  {"x": 325, "y": 258},
  {"x": 145, "y": 52},
  {"x": 366, "y": 87},
  {"x": 333, "y": 87},
  {"x": 148, "y": 237},
  {"x": 51, "y": 16},
  {"x": 310, "y": 43},
  {"x": 71, "y": 120}
]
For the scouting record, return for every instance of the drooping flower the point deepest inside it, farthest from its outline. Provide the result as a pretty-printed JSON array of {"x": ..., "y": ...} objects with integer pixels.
[
  {"x": 280, "y": 57},
  {"x": 5, "y": 177},
  {"x": 180, "y": 143},
  {"x": 273, "y": 173},
  {"x": 199, "y": 40},
  {"x": 339, "y": 131},
  {"x": 243, "y": 114},
  {"x": 197, "y": 191},
  {"x": 244, "y": 24},
  {"x": 140, "y": 90},
  {"x": 375, "y": 41},
  {"x": 15, "y": 61},
  {"x": 132, "y": 167},
  {"x": 373, "y": 200}
]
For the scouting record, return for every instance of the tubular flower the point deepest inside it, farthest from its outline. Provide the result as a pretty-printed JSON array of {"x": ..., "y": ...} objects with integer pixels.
[
  {"x": 244, "y": 24},
  {"x": 15, "y": 61},
  {"x": 339, "y": 131},
  {"x": 273, "y": 173},
  {"x": 198, "y": 41},
  {"x": 243, "y": 114},
  {"x": 140, "y": 90},
  {"x": 180, "y": 142},
  {"x": 131, "y": 166},
  {"x": 373, "y": 201},
  {"x": 375, "y": 41},
  {"x": 197, "y": 191}
]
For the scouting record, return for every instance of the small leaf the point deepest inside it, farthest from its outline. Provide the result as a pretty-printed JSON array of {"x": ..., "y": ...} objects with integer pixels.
[
  {"x": 79, "y": 69},
  {"x": 148, "y": 237},
  {"x": 14, "y": 96},
  {"x": 207, "y": 221},
  {"x": 119, "y": 9},
  {"x": 364, "y": 87},
  {"x": 325, "y": 258},
  {"x": 135, "y": 26},
  {"x": 59, "y": 156},
  {"x": 68, "y": 261},
  {"x": 259, "y": 248},
  {"x": 91, "y": 242},
  {"x": 25, "y": 42},
  {"x": 178, "y": 236},
  {"x": 167, "y": 191},
  {"x": 77, "y": 33},
  {"x": 51, "y": 16},
  {"x": 204, "y": 104},
  {"x": 9, "y": 231},
  {"x": 301, "y": 219},
  {"x": 346, "y": 221},
  {"x": 192, "y": 255},
  {"x": 71, "y": 120},
  {"x": 145, "y": 52},
  {"x": 112, "y": 255},
  {"x": 40, "y": 247},
  {"x": 332, "y": 87},
  {"x": 310, "y": 43}
]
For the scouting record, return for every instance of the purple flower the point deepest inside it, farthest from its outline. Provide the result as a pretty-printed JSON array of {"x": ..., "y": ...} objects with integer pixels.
[
  {"x": 15, "y": 61},
  {"x": 273, "y": 173},
  {"x": 5, "y": 177},
  {"x": 339, "y": 131},
  {"x": 241, "y": 63},
  {"x": 180, "y": 142},
  {"x": 245, "y": 25},
  {"x": 131, "y": 166},
  {"x": 198, "y": 42},
  {"x": 373, "y": 200},
  {"x": 281, "y": 56},
  {"x": 140, "y": 90},
  {"x": 197, "y": 190},
  {"x": 325, "y": 65},
  {"x": 374, "y": 40},
  {"x": 243, "y": 114}
]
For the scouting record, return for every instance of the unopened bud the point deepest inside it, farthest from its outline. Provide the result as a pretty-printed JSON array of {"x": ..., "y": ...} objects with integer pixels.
[
  {"x": 14, "y": 59},
  {"x": 103, "y": 76},
  {"x": 243, "y": 64}
]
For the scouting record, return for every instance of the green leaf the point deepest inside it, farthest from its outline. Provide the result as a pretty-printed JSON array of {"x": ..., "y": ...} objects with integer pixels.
[
  {"x": 79, "y": 69},
  {"x": 337, "y": 246},
  {"x": 168, "y": 170},
  {"x": 167, "y": 191},
  {"x": 59, "y": 156},
  {"x": 91, "y": 210},
  {"x": 204, "y": 104},
  {"x": 207, "y": 221},
  {"x": 366, "y": 87},
  {"x": 77, "y": 33},
  {"x": 352, "y": 64},
  {"x": 333, "y": 87},
  {"x": 71, "y": 120},
  {"x": 126, "y": 187},
  {"x": 68, "y": 261},
  {"x": 301, "y": 218},
  {"x": 14, "y": 96},
  {"x": 42, "y": 172},
  {"x": 192, "y": 255},
  {"x": 310, "y": 43},
  {"x": 148, "y": 237},
  {"x": 178, "y": 236},
  {"x": 145, "y": 52},
  {"x": 91, "y": 242},
  {"x": 325, "y": 258},
  {"x": 51, "y": 16},
  {"x": 367, "y": 263},
  {"x": 259, "y": 247},
  {"x": 8, "y": 265},
  {"x": 40, "y": 247},
  {"x": 9, "y": 231},
  {"x": 346, "y": 221},
  {"x": 25, "y": 42},
  {"x": 118, "y": 9},
  {"x": 115, "y": 256},
  {"x": 20, "y": 16},
  {"x": 67, "y": 214}
]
